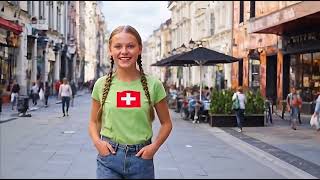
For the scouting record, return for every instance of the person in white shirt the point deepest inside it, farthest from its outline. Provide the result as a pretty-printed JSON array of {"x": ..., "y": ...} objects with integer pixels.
[
  {"x": 65, "y": 93},
  {"x": 242, "y": 101},
  {"x": 34, "y": 93}
]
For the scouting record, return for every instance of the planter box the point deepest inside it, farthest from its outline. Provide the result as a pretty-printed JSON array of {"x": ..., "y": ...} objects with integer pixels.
[{"x": 229, "y": 120}]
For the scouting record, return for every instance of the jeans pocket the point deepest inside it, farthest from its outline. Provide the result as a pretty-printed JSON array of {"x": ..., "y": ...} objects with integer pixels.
[{"x": 104, "y": 156}]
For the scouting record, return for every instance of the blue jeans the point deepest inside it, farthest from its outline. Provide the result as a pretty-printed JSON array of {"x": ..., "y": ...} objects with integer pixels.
[
  {"x": 294, "y": 113},
  {"x": 65, "y": 101},
  {"x": 124, "y": 164},
  {"x": 240, "y": 117}
]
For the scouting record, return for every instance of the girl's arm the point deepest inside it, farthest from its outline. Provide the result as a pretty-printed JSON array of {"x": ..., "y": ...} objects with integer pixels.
[
  {"x": 103, "y": 147},
  {"x": 94, "y": 125},
  {"x": 166, "y": 126},
  {"x": 165, "y": 121}
]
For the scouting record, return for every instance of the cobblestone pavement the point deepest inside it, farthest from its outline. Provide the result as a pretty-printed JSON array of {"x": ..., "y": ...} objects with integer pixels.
[{"x": 48, "y": 145}]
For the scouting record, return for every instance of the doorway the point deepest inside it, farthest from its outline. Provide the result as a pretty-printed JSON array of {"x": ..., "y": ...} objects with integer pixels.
[{"x": 271, "y": 78}]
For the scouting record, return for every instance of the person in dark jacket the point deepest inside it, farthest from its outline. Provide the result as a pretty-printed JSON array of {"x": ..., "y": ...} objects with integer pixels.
[
  {"x": 74, "y": 91},
  {"x": 46, "y": 93},
  {"x": 14, "y": 94}
]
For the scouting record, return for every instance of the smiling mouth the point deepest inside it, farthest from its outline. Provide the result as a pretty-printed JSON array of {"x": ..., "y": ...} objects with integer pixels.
[{"x": 125, "y": 58}]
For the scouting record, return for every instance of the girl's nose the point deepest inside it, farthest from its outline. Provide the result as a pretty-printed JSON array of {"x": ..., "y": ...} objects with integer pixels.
[{"x": 124, "y": 50}]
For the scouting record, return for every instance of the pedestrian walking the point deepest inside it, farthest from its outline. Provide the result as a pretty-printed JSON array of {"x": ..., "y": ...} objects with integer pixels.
[
  {"x": 34, "y": 93},
  {"x": 123, "y": 101},
  {"x": 14, "y": 94},
  {"x": 65, "y": 92},
  {"x": 74, "y": 92},
  {"x": 239, "y": 101},
  {"x": 294, "y": 103},
  {"x": 2, "y": 90},
  {"x": 316, "y": 113},
  {"x": 46, "y": 94},
  {"x": 41, "y": 93},
  {"x": 56, "y": 88}
]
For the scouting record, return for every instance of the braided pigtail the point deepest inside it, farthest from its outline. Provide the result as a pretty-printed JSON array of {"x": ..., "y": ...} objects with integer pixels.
[
  {"x": 106, "y": 89},
  {"x": 145, "y": 87}
]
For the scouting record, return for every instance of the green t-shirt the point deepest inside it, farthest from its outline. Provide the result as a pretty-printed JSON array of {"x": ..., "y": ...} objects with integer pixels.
[{"x": 125, "y": 117}]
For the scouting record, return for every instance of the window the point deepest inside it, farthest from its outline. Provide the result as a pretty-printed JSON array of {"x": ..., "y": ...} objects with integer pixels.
[
  {"x": 29, "y": 7},
  {"x": 241, "y": 12},
  {"x": 40, "y": 9},
  {"x": 212, "y": 24},
  {"x": 254, "y": 71},
  {"x": 58, "y": 18},
  {"x": 305, "y": 74},
  {"x": 32, "y": 9},
  {"x": 252, "y": 9}
]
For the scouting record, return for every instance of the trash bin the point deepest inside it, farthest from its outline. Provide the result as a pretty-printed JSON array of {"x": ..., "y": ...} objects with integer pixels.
[{"x": 23, "y": 104}]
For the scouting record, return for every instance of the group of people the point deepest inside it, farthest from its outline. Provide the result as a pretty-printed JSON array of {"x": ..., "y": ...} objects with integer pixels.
[
  {"x": 293, "y": 103},
  {"x": 64, "y": 91},
  {"x": 188, "y": 102},
  {"x": 41, "y": 91}
]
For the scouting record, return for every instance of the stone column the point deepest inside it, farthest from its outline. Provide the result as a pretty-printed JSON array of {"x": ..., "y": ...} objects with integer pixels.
[
  {"x": 34, "y": 61},
  {"x": 22, "y": 63},
  {"x": 245, "y": 82},
  {"x": 46, "y": 63},
  {"x": 280, "y": 75},
  {"x": 263, "y": 72},
  {"x": 57, "y": 66}
]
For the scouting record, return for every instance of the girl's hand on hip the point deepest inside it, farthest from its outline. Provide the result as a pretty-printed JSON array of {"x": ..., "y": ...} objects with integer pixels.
[
  {"x": 147, "y": 152},
  {"x": 104, "y": 148}
]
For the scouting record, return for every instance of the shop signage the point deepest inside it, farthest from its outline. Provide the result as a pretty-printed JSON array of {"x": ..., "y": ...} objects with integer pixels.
[
  {"x": 302, "y": 41},
  {"x": 302, "y": 38}
]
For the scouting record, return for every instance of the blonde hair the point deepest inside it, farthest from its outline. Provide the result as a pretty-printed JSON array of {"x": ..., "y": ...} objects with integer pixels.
[
  {"x": 107, "y": 85},
  {"x": 240, "y": 89}
]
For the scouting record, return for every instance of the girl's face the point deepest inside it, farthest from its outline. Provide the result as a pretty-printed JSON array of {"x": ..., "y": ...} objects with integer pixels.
[{"x": 124, "y": 49}]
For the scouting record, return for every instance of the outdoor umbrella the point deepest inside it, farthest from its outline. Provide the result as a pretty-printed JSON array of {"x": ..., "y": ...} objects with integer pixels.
[
  {"x": 167, "y": 61},
  {"x": 200, "y": 56}
]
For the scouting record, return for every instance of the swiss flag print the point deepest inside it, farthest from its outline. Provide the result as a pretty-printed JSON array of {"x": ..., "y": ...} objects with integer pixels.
[{"x": 128, "y": 99}]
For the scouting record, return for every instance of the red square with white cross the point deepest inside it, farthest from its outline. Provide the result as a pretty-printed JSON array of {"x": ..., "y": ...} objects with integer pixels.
[{"x": 128, "y": 99}]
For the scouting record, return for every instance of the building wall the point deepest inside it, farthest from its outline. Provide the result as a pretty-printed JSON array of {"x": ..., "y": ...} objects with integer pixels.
[{"x": 246, "y": 44}]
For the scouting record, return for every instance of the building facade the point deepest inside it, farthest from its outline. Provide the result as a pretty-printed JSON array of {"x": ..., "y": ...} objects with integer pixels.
[
  {"x": 297, "y": 62},
  {"x": 45, "y": 41}
]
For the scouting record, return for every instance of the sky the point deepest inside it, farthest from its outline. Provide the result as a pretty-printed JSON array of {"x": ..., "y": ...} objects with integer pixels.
[{"x": 144, "y": 16}]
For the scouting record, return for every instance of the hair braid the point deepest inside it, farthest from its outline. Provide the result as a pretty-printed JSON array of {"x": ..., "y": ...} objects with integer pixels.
[
  {"x": 106, "y": 89},
  {"x": 145, "y": 86}
]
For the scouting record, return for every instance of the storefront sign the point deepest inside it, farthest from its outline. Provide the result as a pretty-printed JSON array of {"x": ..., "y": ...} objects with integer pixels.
[{"x": 302, "y": 41}]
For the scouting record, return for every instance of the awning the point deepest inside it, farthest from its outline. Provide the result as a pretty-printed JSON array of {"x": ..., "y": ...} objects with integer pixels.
[
  {"x": 17, "y": 29},
  {"x": 289, "y": 21}
]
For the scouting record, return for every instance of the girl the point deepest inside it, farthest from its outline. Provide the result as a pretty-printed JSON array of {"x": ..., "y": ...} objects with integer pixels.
[{"x": 122, "y": 112}]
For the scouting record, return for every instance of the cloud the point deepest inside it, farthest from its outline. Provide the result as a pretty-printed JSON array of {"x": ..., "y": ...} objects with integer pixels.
[{"x": 145, "y": 16}]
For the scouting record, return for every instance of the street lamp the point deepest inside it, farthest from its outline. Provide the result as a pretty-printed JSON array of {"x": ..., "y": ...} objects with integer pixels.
[
  {"x": 174, "y": 51},
  {"x": 183, "y": 48},
  {"x": 191, "y": 44}
]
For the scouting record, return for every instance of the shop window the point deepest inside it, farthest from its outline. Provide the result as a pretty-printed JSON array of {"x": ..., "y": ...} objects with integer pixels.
[
  {"x": 305, "y": 75},
  {"x": 254, "y": 73},
  {"x": 252, "y": 9},
  {"x": 241, "y": 13}
]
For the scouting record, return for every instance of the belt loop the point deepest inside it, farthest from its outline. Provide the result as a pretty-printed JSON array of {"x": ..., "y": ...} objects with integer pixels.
[{"x": 116, "y": 147}]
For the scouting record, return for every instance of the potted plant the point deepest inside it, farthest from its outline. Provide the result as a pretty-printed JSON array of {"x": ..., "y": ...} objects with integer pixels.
[
  {"x": 254, "y": 112},
  {"x": 222, "y": 115}
]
